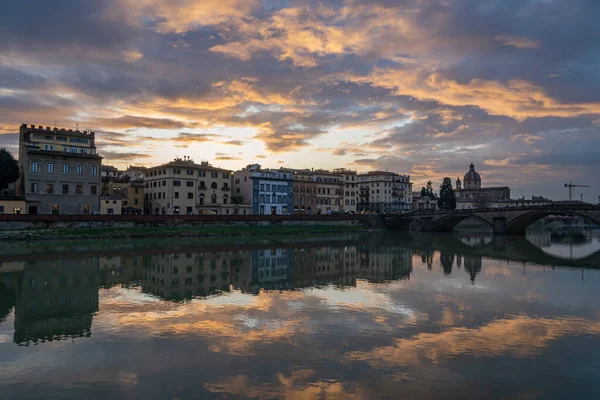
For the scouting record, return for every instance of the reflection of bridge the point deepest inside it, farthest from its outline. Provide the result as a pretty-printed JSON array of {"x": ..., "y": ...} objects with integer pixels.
[
  {"x": 513, "y": 220},
  {"x": 511, "y": 248}
]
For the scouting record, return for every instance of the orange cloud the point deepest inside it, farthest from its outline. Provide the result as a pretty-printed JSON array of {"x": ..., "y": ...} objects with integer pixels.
[{"x": 519, "y": 337}]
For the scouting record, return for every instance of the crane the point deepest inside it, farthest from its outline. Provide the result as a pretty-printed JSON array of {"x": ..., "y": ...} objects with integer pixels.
[{"x": 571, "y": 185}]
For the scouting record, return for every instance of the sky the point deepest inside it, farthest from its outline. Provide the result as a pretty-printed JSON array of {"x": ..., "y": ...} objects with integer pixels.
[{"x": 420, "y": 87}]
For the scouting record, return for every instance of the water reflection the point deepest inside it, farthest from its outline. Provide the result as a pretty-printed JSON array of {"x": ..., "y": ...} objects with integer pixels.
[{"x": 364, "y": 318}]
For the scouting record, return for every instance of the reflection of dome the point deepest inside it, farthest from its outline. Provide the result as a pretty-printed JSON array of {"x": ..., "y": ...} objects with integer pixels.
[{"x": 472, "y": 175}]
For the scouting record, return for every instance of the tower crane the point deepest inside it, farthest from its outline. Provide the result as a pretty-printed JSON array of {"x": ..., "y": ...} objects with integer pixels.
[{"x": 571, "y": 185}]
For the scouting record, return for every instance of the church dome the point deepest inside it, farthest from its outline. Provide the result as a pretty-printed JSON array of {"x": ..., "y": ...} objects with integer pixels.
[{"x": 472, "y": 175}]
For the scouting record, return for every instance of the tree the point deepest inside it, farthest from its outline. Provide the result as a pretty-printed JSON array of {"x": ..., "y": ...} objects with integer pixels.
[
  {"x": 423, "y": 192},
  {"x": 447, "y": 200},
  {"x": 9, "y": 169},
  {"x": 430, "y": 190}
]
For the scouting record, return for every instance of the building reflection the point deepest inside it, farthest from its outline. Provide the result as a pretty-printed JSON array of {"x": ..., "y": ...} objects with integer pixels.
[
  {"x": 55, "y": 299},
  {"x": 183, "y": 276}
]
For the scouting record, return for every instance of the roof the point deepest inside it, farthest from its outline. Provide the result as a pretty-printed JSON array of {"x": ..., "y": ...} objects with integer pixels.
[
  {"x": 110, "y": 198},
  {"x": 189, "y": 164},
  {"x": 472, "y": 175}
]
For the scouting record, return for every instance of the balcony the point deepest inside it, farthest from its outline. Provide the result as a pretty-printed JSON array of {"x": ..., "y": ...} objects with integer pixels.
[{"x": 226, "y": 188}]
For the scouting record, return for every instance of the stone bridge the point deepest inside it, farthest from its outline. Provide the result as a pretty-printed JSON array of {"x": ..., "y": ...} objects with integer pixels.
[{"x": 509, "y": 220}]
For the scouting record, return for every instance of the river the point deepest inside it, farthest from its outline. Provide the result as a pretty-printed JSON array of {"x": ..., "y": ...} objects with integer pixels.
[{"x": 378, "y": 316}]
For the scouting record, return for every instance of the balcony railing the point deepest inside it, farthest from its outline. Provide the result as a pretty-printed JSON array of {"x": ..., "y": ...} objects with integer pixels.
[{"x": 225, "y": 188}]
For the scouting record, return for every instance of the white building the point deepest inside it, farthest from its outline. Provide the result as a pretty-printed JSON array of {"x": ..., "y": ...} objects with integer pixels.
[{"x": 384, "y": 192}]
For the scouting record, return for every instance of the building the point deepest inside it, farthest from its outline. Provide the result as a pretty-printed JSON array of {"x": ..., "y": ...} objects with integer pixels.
[
  {"x": 60, "y": 170},
  {"x": 13, "y": 205},
  {"x": 111, "y": 205},
  {"x": 108, "y": 171},
  {"x": 131, "y": 193},
  {"x": 184, "y": 187},
  {"x": 351, "y": 195},
  {"x": 317, "y": 192},
  {"x": 423, "y": 204},
  {"x": 305, "y": 192},
  {"x": 330, "y": 192},
  {"x": 472, "y": 195},
  {"x": 384, "y": 192},
  {"x": 267, "y": 191},
  {"x": 134, "y": 172}
]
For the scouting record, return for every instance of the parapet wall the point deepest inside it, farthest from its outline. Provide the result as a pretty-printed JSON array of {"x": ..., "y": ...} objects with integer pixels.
[{"x": 26, "y": 222}]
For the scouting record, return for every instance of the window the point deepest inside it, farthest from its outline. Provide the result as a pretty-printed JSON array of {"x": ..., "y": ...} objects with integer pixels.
[
  {"x": 65, "y": 189},
  {"x": 159, "y": 195},
  {"x": 190, "y": 172},
  {"x": 214, "y": 174},
  {"x": 224, "y": 199},
  {"x": 190, "y": 195},
  {"x": 94, "y": 189},
  {"x": 189, "y": 184},
  {"x": 50, "y": 168},
  {"x": 66, "y": 169},
  {"x": 35, "y": 166},
  {"x": 17, "y": 210},
  {"x": 262, "y": 187},
  {"x": 225, "y": 175},
  {"x": 50, "y": 188},
  {"x": 78, "y": 189},
  {"x": 34, "y": 187},
  {"x": 164, "y": 183},
  {"x": 213, "y": 185},
  {"x": 94, "y": 171},
  {"x": 176, "y": 183},
  {"x": 79, "y": 169},
  {"x": 201, "y": 199},
  {"x": 189, "y": 210},
  {"x": 135, "y": 201},
  {"x": 1, "y": 209},
  {"x": 201, "y": 173},
  {"x": 86, "y": 209},
  {"x": 177, "y": 171},
  {"x": 213, "y": 199},
  {"x": 237, "y": 190},
  {"x": 176, "y": 195},
  {"x": 55, "y": 208}
]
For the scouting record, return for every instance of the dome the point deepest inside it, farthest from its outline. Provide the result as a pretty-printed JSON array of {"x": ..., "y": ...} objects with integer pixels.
[{"x": 472, "y": 175}]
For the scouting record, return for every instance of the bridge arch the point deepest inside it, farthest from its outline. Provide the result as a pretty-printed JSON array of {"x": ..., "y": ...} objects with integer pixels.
[
  {"x": 448, "y": 222},
  {"x": 521, "y": 222}
]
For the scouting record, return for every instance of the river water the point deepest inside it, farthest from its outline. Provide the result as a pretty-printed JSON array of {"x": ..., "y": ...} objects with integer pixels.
[{"x": 356, "y": 317}]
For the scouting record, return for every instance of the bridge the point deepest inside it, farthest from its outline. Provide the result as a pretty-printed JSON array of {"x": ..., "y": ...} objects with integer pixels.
[{"x": 509, "y": 220}]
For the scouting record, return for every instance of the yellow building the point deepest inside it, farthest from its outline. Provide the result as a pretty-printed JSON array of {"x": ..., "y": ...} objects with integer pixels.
[
  {"x": 111, "y": 205},
  {"x": 131, "y": 193},
  {"x": 12, "y": 206}
]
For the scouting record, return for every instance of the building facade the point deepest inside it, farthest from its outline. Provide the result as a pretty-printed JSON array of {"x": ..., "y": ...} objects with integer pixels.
[
  {"x": 384, "y": 192},
  {"x": 131, "y": 193},
  {"x": 111, "y": 205},
  {"x": 184, "y": 187},
  {"x": 268, "y": 191},
  {"x": 59, "y": 170},
  {"x": 351, "y": 195}
]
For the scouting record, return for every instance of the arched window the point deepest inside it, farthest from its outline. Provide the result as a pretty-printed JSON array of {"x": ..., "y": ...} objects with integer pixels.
[
  {"x": 225, "y": 199},
  {"x": 201, "y": 197},
  {"x": 213, "y": 185},
  {"x": 213, "y": 198}
]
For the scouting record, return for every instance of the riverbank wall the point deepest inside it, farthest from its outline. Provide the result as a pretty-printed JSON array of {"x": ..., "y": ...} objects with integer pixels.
[{"x": 35, "y": 222}]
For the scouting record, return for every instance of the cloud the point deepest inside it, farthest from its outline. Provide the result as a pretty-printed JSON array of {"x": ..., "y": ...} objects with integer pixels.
[
  {"x": 234, "y": 142},
  {"x": 517, "y": 42},
  {"x": 122, "y": 156},
  {"x": 131, "y": 122}
]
